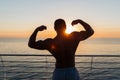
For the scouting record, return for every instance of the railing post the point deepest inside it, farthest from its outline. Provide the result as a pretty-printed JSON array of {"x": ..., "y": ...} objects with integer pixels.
[
  {"x": 4, "y": 70},
  {"x": 46, "y": 62}
]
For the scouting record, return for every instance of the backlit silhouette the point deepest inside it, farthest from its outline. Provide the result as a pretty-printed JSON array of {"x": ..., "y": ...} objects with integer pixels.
[{"x": 62, "y": 47}]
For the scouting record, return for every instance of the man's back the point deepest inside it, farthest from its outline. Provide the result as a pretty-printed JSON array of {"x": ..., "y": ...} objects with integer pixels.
[{"x": 63, "y": 49}]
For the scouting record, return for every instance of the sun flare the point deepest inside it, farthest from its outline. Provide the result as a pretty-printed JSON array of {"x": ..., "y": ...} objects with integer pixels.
[{"x": 69, "y": 29}]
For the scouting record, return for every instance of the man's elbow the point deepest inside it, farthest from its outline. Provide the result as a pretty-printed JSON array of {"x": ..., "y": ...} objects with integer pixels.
[
  {"x": 30, "y": 45},
  {"x": 92, "y": 32}
]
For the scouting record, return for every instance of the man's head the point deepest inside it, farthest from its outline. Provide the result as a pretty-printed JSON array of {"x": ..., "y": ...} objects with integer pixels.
[{"x": 60, "y": 25}]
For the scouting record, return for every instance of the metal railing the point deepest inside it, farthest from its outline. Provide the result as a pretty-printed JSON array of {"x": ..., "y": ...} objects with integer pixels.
[{"x": 40, "y": 67}]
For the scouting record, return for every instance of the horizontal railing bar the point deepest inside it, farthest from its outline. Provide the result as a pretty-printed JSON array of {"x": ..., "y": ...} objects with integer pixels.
[
  {"x": 29, "y": 61},
  {"x": 51, "y": 55},
  {"x": 52, "y": 72},
  {"x": 93, "y": 79},
  {"x": 37, "y": 67},
  {"x": 77, "y": 67},
  {"x": 101, "y": 62},
  {"x": 105, "y": 68},
  {"x": 27, "y": 78},
  {"x": 54, "y": 62},
  {"x": 25, "y": 67},
  {"x": 17, "y": 72},
  {"x": 24, "y": 55}
]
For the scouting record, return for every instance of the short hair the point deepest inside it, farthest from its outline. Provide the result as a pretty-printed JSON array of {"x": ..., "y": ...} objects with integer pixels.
[{"x": 59, "y": 24}]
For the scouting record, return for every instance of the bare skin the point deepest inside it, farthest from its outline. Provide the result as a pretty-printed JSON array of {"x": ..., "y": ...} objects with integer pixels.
[{"x": 63, "y": 46}]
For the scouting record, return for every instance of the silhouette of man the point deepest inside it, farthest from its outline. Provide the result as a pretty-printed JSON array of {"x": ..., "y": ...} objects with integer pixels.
[{"x": 62, "y": 47}]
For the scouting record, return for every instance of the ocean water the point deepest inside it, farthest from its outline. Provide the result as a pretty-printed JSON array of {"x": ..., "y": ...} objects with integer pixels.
[
  {"x": 99, "y": 46},
  {"x": 103, "y": 68}
]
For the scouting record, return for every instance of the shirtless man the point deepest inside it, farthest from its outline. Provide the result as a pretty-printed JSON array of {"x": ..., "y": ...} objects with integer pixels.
[{"x": 63, "y": 47}]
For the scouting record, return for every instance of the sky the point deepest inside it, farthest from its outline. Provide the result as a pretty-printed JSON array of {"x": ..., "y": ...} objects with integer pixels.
[{"x": 19, "y": 18}]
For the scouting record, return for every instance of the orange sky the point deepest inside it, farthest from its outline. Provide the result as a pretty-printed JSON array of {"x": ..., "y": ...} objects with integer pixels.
[{"x": 99, "y": 33}]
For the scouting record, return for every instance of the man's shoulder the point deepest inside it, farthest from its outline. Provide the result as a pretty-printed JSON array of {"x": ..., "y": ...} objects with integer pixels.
[
  {"x": 78, "y": 33},
  {"x": 75, "y": 33},
  {"x": 48, "y": 40}
]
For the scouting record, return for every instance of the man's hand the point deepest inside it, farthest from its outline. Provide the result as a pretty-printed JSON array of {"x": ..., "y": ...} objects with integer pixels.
[
  {"x": 74, "y": 22},
  {"x": 41, "y": 28}
]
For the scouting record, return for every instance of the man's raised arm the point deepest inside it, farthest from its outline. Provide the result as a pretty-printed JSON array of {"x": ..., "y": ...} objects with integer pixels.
[
  {"x": 88, "y": 29},
  {"x": 32, "y": 41}
]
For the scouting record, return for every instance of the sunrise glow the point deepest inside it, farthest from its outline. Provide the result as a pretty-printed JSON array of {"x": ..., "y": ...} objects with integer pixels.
[{"x": 69, "y": 29}]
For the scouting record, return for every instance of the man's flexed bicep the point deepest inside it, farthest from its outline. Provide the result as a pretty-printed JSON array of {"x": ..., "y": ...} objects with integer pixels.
[
  {"x": 41, "y": 45},
  {"x": 32, "y": 41},
  {"x": 83, "y": 34}
]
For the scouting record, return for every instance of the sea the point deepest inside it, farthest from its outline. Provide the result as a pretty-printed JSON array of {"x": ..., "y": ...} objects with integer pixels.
[
  {"x": 97, "y": 46},
  {"x": 92, "y": 46}
]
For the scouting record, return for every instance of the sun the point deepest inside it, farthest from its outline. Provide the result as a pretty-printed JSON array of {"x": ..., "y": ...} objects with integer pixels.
[{"x": 69, "y": 29}]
